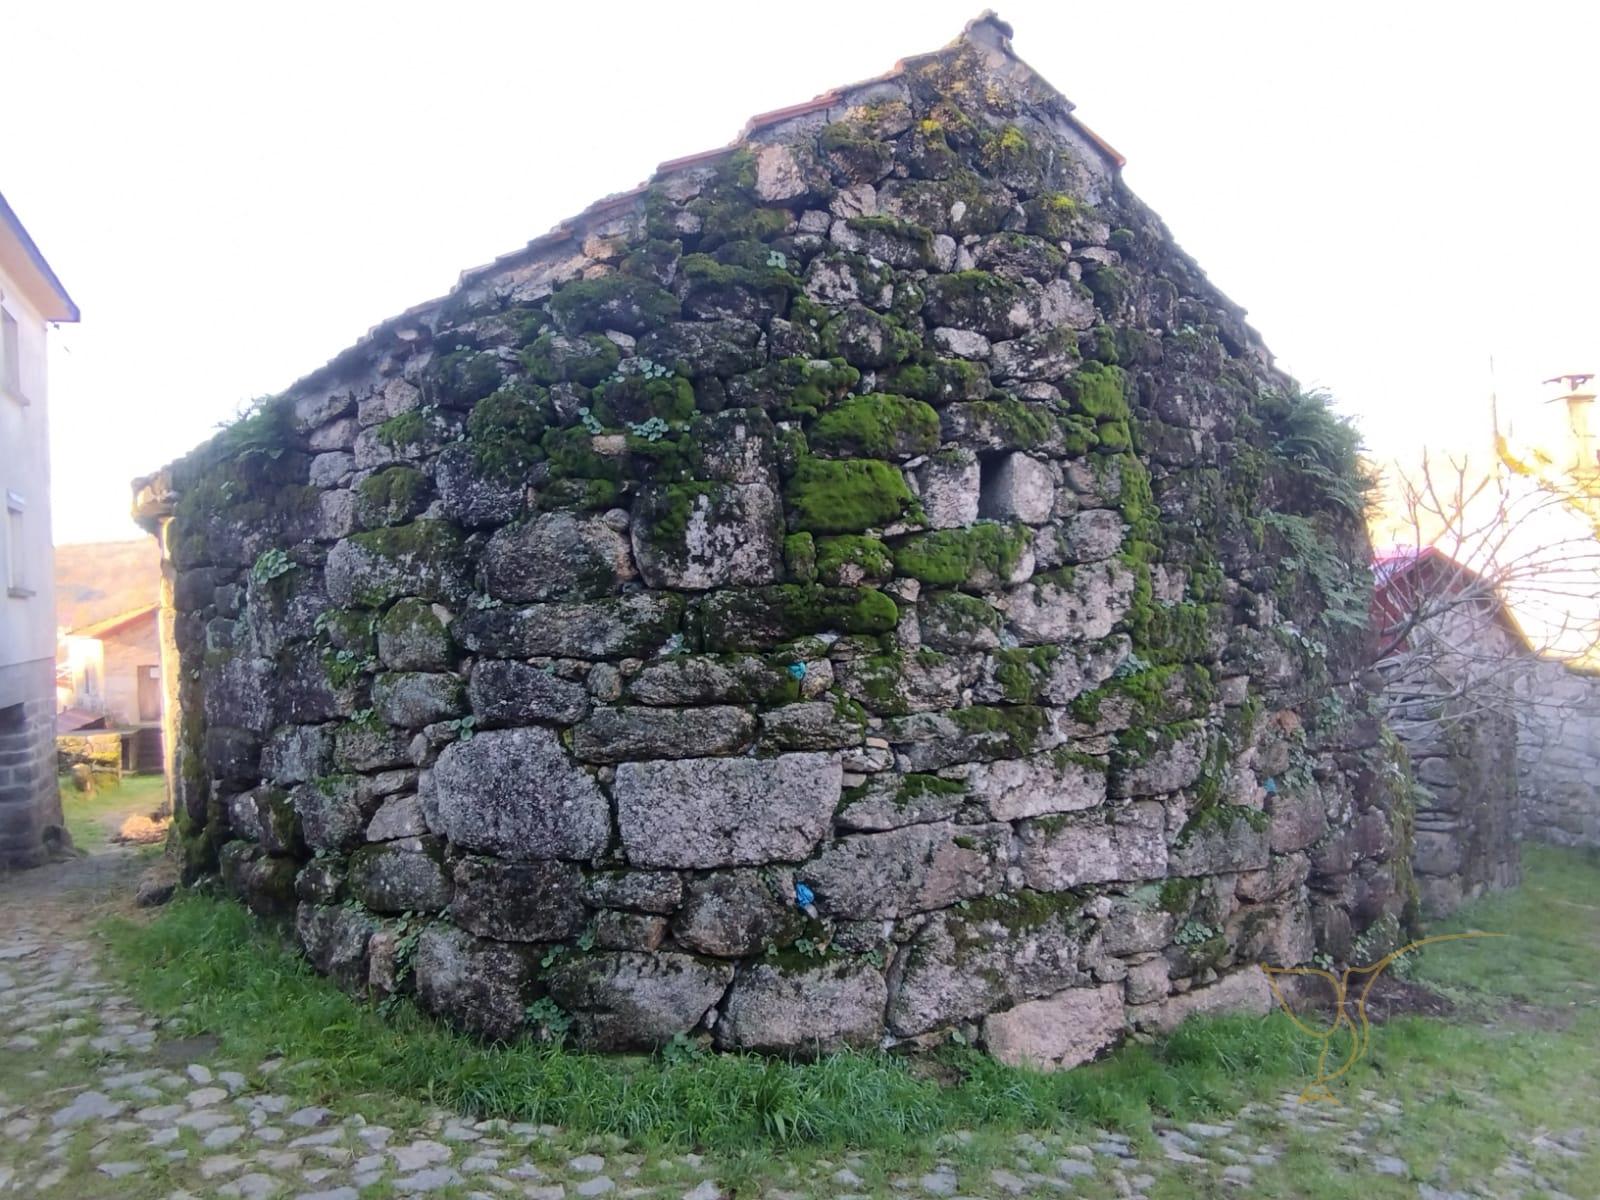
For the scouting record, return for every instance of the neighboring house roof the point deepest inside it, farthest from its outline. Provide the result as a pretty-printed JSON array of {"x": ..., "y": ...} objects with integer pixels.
[
  {"x": 74, "y": 720},
  {"x": 24, "y": 262},
  {"x": 111, "y": 625},
  {"x": 1404, "y": 575},
  {"x": 103, "y": 581}
]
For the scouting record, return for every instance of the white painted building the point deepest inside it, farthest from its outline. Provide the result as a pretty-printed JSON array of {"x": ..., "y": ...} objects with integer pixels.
[{"x": 31, "y": 299}]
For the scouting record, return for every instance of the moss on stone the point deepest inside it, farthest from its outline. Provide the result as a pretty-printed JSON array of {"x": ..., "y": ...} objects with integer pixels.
[
  {"x": 916, "y": 787},
  {"x": 1017, "y": 729},
  {"x": 392, "y": 496},
  {"x": 1016, "y": 424},
  {"x": 851, "y": 559},
  {"x": 572, "y": 455},
  {"x": 461, "y": 377},
  {"x": 1024, "y": 672},
  {"x": 806, "y": 386},
  {"x": 584, "y": 360},
  {"x": 753, "y": 618},
  {"x": 504, "y": 431},
  {"x": 1110, "y": 286},
  {"x": 974, "y": 556},
  {"x": 876, "y": 426},
  {"x": 1054, "y": 215},
  {"x": 633, "y": 400},
  {"x": 849, "y": 496},
  {"x": 746, "y": 264},
  {"x": 857, "y": 153},
  {"x": 956, "y": 620},
  {"x": 1100, "y": 391},
  {"x": 1021, "y": 910},
  {"x": 410, "y": 428},
  {"x": 614, "y": 301},
  {"x": 433, "y": 547},
  {"x": 800, "y": 557}
]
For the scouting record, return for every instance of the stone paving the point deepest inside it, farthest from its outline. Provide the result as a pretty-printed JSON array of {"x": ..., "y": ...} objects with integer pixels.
[{"x": 98, "y": 1098}]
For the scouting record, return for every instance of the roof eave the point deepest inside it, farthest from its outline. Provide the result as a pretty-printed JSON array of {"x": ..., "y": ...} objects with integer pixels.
[{"x": 48, "y": 294}]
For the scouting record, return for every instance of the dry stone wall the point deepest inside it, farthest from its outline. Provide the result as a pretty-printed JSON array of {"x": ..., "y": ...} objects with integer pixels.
[
  {"x": 1558, "y": 755},
  {"x": 866, "y": 585}
]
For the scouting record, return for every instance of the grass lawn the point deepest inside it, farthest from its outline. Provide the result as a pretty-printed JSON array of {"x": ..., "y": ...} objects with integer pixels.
[
  {"x": 93, "y": 819},
  {"x": 1521, "y": 1055}
]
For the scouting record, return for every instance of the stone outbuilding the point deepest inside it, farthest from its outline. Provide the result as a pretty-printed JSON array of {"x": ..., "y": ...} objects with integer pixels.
[{"x": 861, "y": 587}]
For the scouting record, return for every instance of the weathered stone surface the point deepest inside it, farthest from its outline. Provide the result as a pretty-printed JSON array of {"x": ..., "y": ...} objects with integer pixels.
[
  {"x": 421, "y": 559},
  {"x": 400, "y": 877},
  {"x": 811, "y": 725},
  {"x": 1121, "y": 844},
  {"x": 1244, "y": 991},
  {"x": 902, "y": 871},
  {"x": 723, "y": 812},
  {"x": 733, "y": 914},
  {"x": 556, "y": 556},
  {"x": 1158, "y": 762},
  {"x": 930, "y": 741},
  {"x": 515, "y": 793},
  {"x": 1092, "y": 535},
  {"x": 364, "y": 746},
  {"x": 471, "y": 495},
  {"x": 506, "y": 692},
  {"x": 949, "y": 484},
  {"x": 333, "y": 811},
  {"x": 517, "y": 902},
  {"x": 894, "y": 685},
  {"x": 1059, "y": 1031},
  {"x": 646, "y": 891},
  {"x": 412, "y": 636},
  {"x": 893, "y": 801},
  {"x": 238, "y": 694},
  {"x": 263, "y": 881},
  {"x": 631, "y": 1001},
  {"x": 613, "y": 735},
  {"x": 297, "y": 753},
  {"x": 699, "y": 536},
  {"x": 397, "y": 817},
  {"x": 1018, "y": 488},
  {"x": 778, "y": 175},
  {"x": 412, "y": 699},
  {"x": 1088, "y": 605},
  {"x": 335, "y": 940},
  {"x": 804, "y": 1009},
  {"x": 965, "y": 963},
  {"x": 629, "y": 625},
  {"x": 707, "y": 679},
  {"x": 474, "y": 984},
  {"x": 1033, "y": 787},
  {"x": 1227, "y": 838}
]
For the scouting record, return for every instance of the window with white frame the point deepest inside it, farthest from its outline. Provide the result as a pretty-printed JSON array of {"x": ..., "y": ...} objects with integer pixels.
[
  {"x": 11, "y": 357},
  {"x": 17, "y": 583}
]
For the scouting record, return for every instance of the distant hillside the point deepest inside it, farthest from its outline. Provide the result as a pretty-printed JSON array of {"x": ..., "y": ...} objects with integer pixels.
[{"x": 96, "y": 580}]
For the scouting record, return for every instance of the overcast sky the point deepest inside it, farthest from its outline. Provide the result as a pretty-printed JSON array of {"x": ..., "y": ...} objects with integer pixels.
[{"x": 232, "y": 194}]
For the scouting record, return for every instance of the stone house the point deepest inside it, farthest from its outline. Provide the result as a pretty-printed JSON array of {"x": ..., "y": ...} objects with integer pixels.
[
  {"x": 108, "y": 647},
  {"x": 31, "y": 299},
  {"x": 1462, "y": 739},
  {"x": 854, "y": 589}
]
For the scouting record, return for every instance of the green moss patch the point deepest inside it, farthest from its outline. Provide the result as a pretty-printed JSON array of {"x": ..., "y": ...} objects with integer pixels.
[
  {"x": 851, "y": 559},
  {"x": 876, "y": 426},
  {"x": 973, "y": 557},
  {"x": 848, "y": 496}
]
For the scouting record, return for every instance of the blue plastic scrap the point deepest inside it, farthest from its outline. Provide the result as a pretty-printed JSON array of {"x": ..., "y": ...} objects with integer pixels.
[
  {"x": 804, "y": 897},
  {"x": 798, "y": 670}
]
